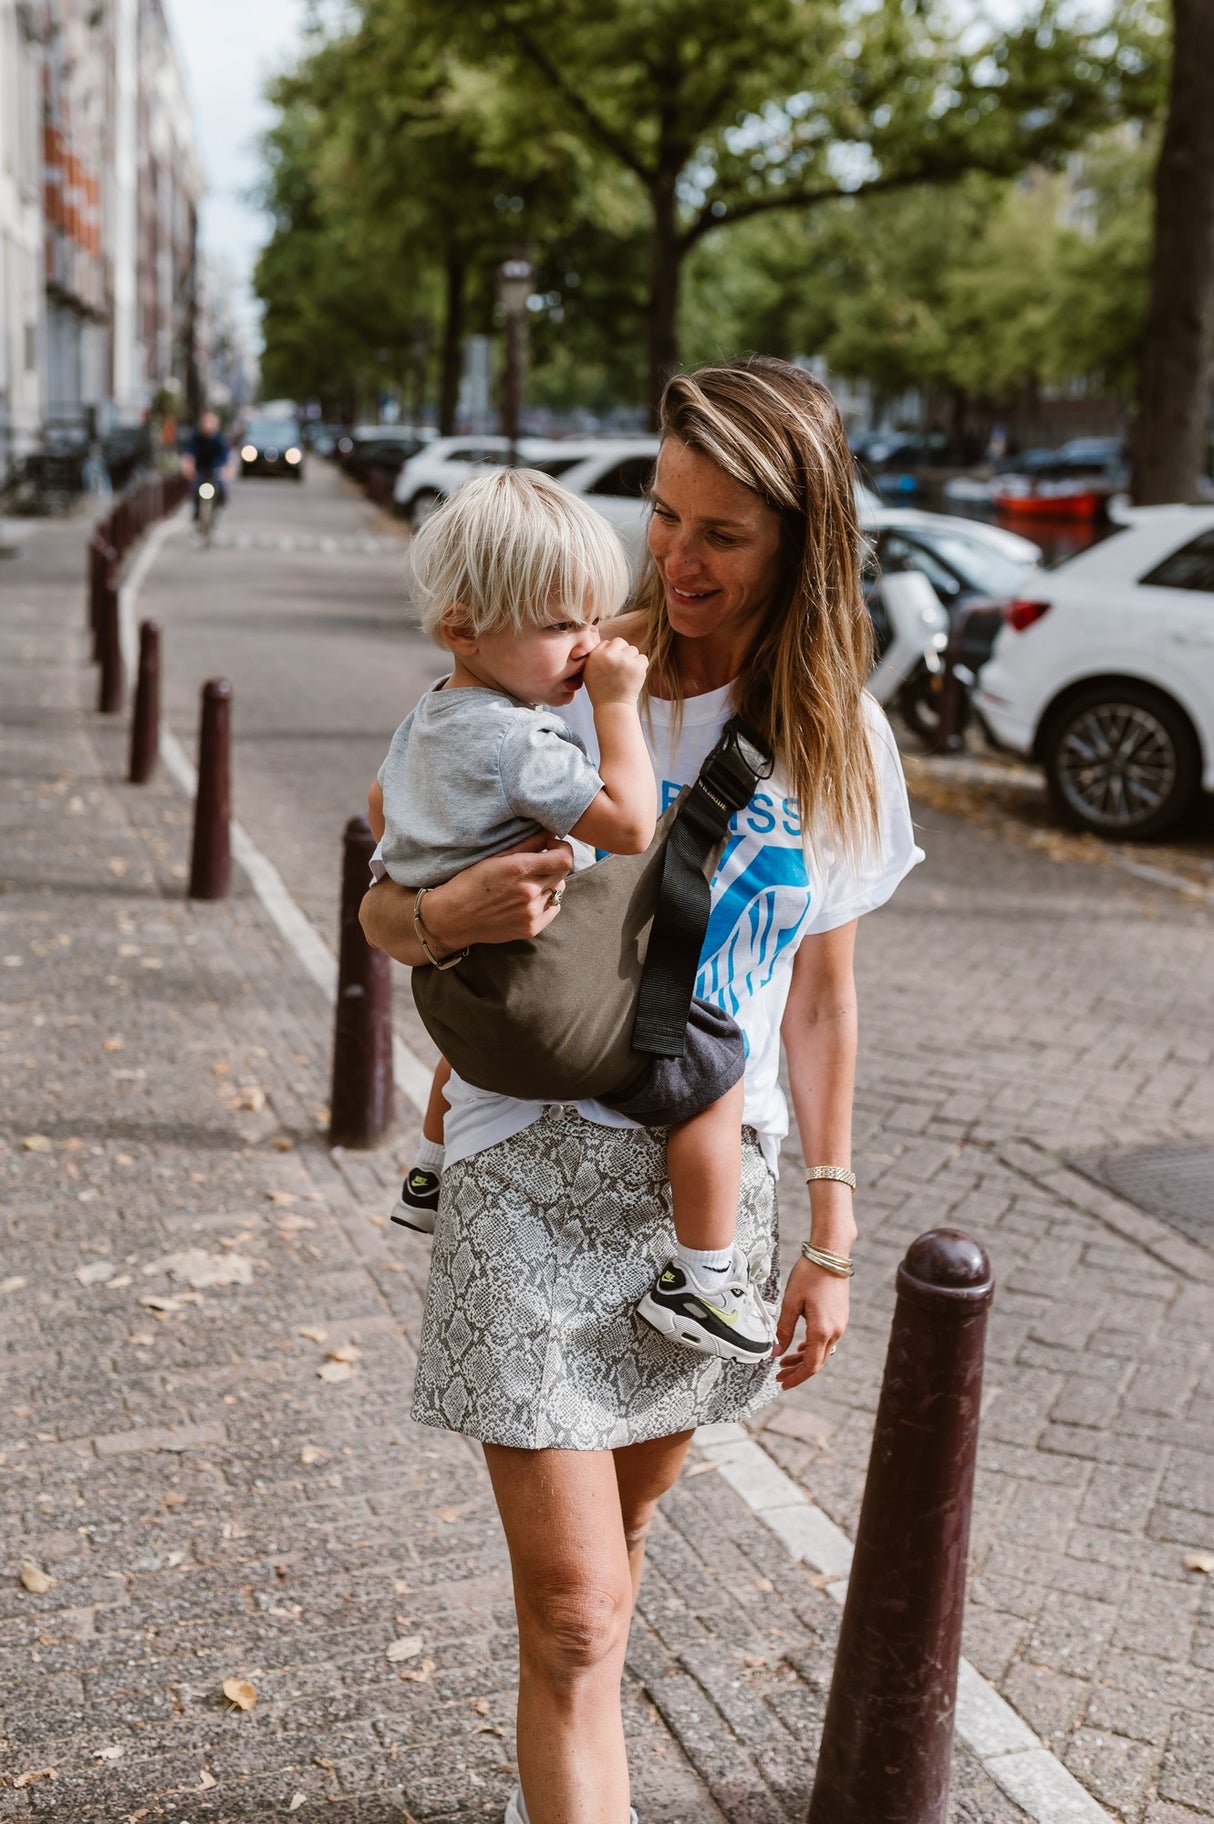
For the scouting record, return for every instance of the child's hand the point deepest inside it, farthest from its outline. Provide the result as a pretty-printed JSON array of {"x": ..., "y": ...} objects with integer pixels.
[
  {"x": 375, "y": 810},
  {"x": 615, "y": 672}
]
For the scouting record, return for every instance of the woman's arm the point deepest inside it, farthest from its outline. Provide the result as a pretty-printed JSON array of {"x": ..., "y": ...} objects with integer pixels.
[
  {"x": 819, "y": 1034},
  {"x": 493, "y": 902}
]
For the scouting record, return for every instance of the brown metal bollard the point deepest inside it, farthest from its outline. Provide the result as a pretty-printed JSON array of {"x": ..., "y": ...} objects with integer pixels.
[
  {"x": 211, "y": 860},
  {"x": 111, "y": 683},
  {"x": 101, "y": 558},
  {"x": 362, "y": 1092},
  {"x": 145, "y": 723},
  {"x": 886, "y": 1751}
]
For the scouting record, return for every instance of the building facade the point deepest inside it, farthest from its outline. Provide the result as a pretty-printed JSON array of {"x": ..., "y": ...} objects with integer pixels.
[{"x": 99, "y": 193}]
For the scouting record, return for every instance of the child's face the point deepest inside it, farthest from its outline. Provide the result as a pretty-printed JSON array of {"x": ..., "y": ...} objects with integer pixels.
[{"x": 539, "y": 664}]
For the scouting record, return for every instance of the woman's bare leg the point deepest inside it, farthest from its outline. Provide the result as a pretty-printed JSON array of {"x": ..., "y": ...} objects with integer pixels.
[
  {"x": 573, "y": 1596},
  {"x": 643, "y": 1474}
]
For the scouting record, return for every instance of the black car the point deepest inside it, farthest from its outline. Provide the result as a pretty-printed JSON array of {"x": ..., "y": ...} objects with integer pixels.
[{"x": 272, "y": 446}]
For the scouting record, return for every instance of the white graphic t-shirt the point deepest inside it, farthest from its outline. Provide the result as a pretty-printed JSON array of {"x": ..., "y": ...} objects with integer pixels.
[{"x": 768, "y": 894}]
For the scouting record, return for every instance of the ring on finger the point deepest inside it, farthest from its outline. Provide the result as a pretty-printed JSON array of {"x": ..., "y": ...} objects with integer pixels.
[{"x": 557, "y": 895}]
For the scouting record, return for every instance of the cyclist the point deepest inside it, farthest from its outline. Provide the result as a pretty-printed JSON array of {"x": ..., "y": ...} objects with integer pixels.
[{"x": 206, "y": 458}]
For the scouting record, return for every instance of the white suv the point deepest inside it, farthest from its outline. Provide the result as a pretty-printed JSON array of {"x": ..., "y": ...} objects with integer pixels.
[
  {"x": 430, "y": 477},
  {"x": 1104, "y": 672}
]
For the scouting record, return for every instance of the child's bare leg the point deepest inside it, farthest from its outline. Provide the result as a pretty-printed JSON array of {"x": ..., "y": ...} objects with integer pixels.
[
  {"x": 437, "y": 1106},
  {"x": 704, "y": 1298},
  {"x": 704, "y": 1164}
]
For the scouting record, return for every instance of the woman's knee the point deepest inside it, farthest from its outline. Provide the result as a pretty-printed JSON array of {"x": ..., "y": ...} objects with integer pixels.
[{"x": 572, "y": 1626}]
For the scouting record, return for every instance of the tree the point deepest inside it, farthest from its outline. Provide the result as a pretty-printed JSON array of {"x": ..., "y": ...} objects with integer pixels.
[
  {"x": 826, "y": 102},
  {"x": 1174, "y": 389}
]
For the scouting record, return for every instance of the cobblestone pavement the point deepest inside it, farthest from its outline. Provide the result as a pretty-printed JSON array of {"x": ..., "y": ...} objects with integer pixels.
[{"x": 220, "y": 1488}]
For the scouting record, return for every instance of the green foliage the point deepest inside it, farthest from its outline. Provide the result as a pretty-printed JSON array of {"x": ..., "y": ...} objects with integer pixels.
[{"x": 859, "y": 156}]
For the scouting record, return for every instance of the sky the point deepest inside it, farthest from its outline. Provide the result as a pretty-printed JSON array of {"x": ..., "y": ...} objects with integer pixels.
[{"x": 227, "y": 49}]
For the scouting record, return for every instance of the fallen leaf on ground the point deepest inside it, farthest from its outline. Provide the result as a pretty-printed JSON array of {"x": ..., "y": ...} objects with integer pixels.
[
  {"x": 297, "y": 1799},
  {"x": 282, "y": 1197},
  {"x": 290, "y": 1222},
  {"x": 206, "y": 1780},
  {"x": 420, "y": 1675},
  {"x": 312, "y": 1453},
  {"x": 34, "y": 1578},
  {"x": 346, "y": 1352},
  {"x": 239, "y": 1692},
  {"x": 13, "y": 1283},
  {"x": 96, "y": 1272},
  {"x": 221, "y": 1069},
  {"x": 282, "y": 1143},
  {"x": 408, "y": 1647},
  {"x": 313, "y": 1333},
  {"x": 251, "y": 1097},
  {"x": 174, "y": 1498},
  {"x": 143, "y": 1339},
  {"x": 161, "y": 1305},
  {"x": 698, "y": 1469},
  {"x": 492, "y": 1729},
  {"x": 1200, "y": 1561},
  {"x": 35, "y": 1143},
  {"x": 38, "y": 1773},
  {"x": 198, "y": 1268},
  {"x": 481, "y": 1705},
  {"x": 109, "y": 1754},
  {"x": 336, "y": 1371},
  {"x": 449, "y": 1515},
  {"x": 114, "y": 1044}
]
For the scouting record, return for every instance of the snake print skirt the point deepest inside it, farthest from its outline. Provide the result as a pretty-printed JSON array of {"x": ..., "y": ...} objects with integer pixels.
[{"x": 542, "y": 1247}]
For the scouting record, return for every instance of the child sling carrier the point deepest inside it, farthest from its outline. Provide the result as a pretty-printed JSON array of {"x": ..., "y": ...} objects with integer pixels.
[{"x": 582, "y": 1011}]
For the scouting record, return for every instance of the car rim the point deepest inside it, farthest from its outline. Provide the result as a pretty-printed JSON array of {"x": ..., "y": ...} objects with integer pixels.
[{"x": 1117, "y": 765}]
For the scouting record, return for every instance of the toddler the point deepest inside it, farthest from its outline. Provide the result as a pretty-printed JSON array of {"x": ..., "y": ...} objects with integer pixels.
[{"x": 514, "y": 575}]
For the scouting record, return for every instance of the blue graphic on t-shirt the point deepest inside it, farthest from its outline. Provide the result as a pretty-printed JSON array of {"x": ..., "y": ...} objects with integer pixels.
[{"x": 753, "y": 921}]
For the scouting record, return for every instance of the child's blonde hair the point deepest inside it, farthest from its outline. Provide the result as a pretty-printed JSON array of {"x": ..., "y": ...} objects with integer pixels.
[{"x": 507, "y": 548}]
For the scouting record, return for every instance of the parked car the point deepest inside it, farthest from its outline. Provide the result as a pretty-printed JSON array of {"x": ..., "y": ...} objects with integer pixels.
[
  {"x": 387, "y": 441},
  {"x": 972, "y": 578},
  {"x": 272, "y": 446},
  {"x": 434, "y": 473},
  {"x": 1104, "y": 673}
]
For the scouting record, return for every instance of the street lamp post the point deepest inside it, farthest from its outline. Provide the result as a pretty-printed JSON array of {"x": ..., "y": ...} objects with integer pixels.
[{"x": 514, "y": 282}]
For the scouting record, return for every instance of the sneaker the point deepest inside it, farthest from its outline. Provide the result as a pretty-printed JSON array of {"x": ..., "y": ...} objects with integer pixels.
[
  {"x": 418, "y": 1200},
  {"x": 516, "y": 1810},
  {"x": 730, "y": 1321}
]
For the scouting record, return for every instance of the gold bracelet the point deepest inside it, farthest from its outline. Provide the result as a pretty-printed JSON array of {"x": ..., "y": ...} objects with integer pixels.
[
  {"x": 829, "y": 1263},
  {"x": 448, "y": 962},
  {"x": 839, "y": 1174}
]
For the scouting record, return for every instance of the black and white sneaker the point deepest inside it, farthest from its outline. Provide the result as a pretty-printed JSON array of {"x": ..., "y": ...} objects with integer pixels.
[
  {"x": 418, "y": 1200},
  {"x": 729, "y": 1320}
]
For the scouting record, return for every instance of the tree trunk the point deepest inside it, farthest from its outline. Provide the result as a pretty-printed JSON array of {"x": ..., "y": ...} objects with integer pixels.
[
  {"x": 662, "y": 315},
  {"x": 453, "y": 342},
  {"x": 1174, "y": 381}
]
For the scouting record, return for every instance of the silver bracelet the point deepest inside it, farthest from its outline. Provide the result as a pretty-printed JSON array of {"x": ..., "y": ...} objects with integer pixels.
[
  {"x": 423, "y": 938},
  {"x": 839, "y": 1174},
  {"x": 829, "y": 1263}
]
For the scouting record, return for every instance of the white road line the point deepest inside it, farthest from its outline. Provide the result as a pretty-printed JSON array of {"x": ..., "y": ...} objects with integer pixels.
[
  {"x": 412, "y": 1077},
  {"x": 1016, "y": 1759}
]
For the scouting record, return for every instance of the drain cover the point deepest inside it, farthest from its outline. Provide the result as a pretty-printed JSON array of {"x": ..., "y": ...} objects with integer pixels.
[{"x": 1174, "y": 1183}]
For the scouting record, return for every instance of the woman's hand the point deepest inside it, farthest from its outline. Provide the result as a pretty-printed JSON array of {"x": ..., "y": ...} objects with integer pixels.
[
  {"x": 821, "y": 1301},
  {"x": 493, "y": 902}
]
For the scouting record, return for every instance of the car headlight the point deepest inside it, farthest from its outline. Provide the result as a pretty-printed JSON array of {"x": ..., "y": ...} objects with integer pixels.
[
  {"x": 294, "y": 455},
  {"x": 249, "y": 453}
]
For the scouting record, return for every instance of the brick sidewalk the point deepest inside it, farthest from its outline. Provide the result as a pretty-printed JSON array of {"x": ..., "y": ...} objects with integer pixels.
[{"x": 175, "y": 1060}]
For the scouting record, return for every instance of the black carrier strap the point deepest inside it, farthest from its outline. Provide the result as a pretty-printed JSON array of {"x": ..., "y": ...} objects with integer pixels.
[{"x": 727, "y": 779}]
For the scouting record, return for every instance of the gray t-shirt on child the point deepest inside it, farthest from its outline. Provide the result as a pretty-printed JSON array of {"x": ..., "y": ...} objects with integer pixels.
[{"x": 470, "y": 772}]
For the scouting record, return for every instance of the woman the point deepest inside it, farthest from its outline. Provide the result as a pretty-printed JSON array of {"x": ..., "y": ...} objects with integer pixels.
[{"x": 551, "y": 1216}]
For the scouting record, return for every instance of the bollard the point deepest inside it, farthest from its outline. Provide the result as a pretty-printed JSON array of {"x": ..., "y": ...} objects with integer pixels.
[
  {"x": 145, "y": 723},
  {"x": 887, "y": 1739},
  {"x": 211, "y": 860},
  {"x": 362, "y": 1092},
  {"x": 111, "y": 682},
  {"x": 100, "y": 558}
]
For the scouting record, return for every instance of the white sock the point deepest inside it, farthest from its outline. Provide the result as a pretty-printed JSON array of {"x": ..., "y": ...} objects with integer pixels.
[
  {"x": 705, "y": 1264},
  {"x": 429, "y": 1156}
]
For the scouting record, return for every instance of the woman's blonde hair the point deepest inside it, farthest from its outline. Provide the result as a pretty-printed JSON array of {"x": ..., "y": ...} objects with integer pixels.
[
  {"x": 777, "y": 430},
  {"x": 506, "y": 549}
]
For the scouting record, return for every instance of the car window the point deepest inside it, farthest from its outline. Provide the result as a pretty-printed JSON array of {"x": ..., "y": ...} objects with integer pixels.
[
  {"x": 629, "y": 478},
  {"x": 554, "y": 465},
  {"x": 278, "y": 431},
  {"x": 1192, "y": 567},
  {"x": 898, "y": 553},
  {"x": 979, "y": 564}
]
